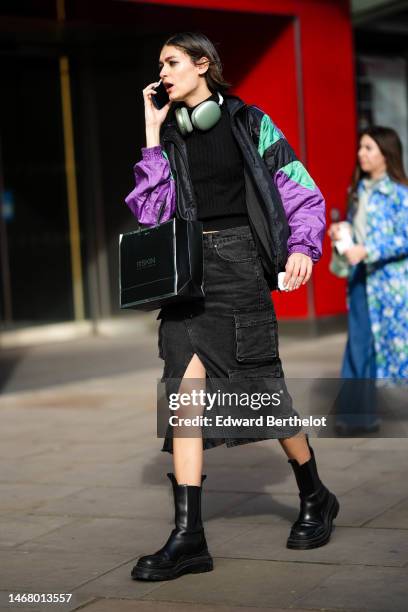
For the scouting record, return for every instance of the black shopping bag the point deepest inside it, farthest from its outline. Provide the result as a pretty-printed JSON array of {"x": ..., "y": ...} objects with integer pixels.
[{"x": 161, "y": 265}]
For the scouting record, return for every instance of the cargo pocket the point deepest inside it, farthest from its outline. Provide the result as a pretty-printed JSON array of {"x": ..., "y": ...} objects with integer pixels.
[
  {"x": 273, "y": 370},
  {"x": 256, "y": 336}
]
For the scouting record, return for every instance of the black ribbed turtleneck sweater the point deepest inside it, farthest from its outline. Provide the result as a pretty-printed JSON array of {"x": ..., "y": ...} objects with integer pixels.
[{"x": 217, "y": 173}]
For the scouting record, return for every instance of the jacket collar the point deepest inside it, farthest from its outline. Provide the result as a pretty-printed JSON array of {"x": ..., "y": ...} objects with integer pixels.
[
  {"x": 233, "y": 103},
  {"x": 385, "y": 185}
]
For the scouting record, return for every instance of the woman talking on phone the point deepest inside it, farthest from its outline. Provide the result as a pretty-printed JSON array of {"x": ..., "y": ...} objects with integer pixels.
[{"x": 212, "y": 158}]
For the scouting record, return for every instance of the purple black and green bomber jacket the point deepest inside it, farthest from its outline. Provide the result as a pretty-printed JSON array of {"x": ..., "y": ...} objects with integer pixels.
[{"x": 286, "y": 209}]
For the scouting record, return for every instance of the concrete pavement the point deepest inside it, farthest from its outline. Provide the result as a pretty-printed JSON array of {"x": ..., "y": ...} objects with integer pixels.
[{"x": 84, "y": 492}]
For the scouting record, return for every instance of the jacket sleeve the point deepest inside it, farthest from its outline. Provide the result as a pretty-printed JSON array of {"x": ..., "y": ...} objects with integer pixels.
[
  {"x": 302, "y": 200},
  {"x": 155, "y": 187},
  {"x": 390, "y": 239}
]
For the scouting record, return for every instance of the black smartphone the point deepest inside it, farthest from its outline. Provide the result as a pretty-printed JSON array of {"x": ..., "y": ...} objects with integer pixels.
[{"x": 161, "y": 98}]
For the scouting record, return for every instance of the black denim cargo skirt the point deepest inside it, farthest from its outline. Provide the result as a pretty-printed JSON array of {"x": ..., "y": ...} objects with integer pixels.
[{"x": 233, "y": 331}]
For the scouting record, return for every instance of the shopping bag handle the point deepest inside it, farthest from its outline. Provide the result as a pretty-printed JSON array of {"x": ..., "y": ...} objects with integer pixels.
[
  {"x": 161, "y": 211},
  {"x": 159, "y": 216}
]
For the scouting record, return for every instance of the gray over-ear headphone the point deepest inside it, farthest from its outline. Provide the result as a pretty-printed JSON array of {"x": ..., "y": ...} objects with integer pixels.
[{"x": 203, "y": 117}]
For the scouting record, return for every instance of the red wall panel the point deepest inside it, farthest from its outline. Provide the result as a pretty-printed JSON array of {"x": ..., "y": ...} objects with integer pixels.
[{"x": 330, "y": 124}]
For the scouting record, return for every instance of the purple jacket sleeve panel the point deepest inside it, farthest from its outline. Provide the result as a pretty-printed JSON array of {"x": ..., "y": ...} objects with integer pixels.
[
  {"x": 154, "y": 186},
  {"x": 305, "y": 210}
]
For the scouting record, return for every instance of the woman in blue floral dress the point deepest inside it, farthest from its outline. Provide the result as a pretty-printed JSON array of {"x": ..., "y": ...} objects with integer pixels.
[{"x": 377, "y": 345}]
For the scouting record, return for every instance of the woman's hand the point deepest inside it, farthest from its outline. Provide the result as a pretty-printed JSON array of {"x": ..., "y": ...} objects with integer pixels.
[
  {"x": 154, "y": 117},
  {"x": 355, "y": 254},
  {"x": 334, "y": 231},
  {"x": 298, "y": 270}
]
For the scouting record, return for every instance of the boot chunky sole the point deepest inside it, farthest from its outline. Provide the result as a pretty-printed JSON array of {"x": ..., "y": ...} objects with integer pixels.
[
  {"x": 323, "y": 537},
  {"x": 192, "y": 565}
]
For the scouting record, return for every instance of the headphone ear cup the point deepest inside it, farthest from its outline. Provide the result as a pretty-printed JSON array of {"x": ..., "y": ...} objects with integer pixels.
[
  {"x": 206, "y": 115},
  {"x": 183, "y": 121}
]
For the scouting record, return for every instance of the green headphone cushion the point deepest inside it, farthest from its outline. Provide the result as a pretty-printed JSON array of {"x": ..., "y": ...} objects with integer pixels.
[
  {"x": 183, "y": 120},
  {"x": 206, "y": 115}
]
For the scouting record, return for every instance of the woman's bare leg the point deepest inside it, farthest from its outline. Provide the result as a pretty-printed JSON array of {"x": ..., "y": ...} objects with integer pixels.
[
  {"x": 296, "y": 447},
  {"x": 188, "y": 452},
  {"x": 185, "y": 550}
]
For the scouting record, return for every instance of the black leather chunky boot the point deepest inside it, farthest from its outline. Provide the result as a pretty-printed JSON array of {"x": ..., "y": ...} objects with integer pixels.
[
  {"x": 185, "y": 551},
  {"x": 318, "y": 507}
]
